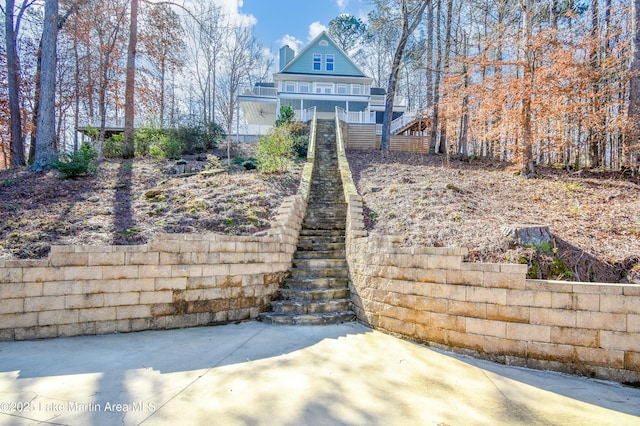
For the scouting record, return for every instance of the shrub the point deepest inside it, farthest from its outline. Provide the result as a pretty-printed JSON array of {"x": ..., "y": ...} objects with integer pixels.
[
  {"x": 286, "y": 116},
  {"x": 112, "y": 147},
  {"x": 72, "y": 165},
  {"x": 274, "y": 151},
  {"x": 197, "y": 138}
]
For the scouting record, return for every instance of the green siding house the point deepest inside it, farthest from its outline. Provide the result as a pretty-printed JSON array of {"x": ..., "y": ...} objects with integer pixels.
[{"x": 321, "y": 76}]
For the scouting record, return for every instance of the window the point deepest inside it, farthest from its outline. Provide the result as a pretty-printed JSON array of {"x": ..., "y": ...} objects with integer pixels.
[
  {"x": 341, "y": 89},
  {"x": 290, "y": 86},
  {"x": 304, "y": 88},
  {"x": 355, "y": 89},
  {"x": 317, "y": 62},
  {"x": 329, "y": 62},
  {"x": 326, "y": 88}
]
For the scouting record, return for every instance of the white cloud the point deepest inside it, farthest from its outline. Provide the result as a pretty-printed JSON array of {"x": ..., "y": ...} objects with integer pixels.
[
  {"x": 292, "y": 42},
  {"x": 342, "y": 4},
  {"x": 315, "y": 29},
  {"x": 231, "y": 9}
]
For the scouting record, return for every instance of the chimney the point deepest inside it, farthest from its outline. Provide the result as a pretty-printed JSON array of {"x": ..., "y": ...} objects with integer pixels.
[{"x": 286, "y": 55}]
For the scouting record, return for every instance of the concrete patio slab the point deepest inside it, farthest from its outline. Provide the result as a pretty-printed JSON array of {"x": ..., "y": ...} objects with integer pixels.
[{"x": 252, "y": 374}]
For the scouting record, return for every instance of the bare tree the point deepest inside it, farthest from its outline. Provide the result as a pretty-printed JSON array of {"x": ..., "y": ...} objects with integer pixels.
[
  {"x": 12, "y": 28},
  {"x": 46, "y": 148},
  {"x": 634, "y": 87},
  {"x": 411, "y": 12},
  {"x": 129, "y": 114}
]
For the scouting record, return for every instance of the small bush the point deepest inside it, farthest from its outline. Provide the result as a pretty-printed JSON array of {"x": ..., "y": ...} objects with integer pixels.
[
  {"x": 274, "y": 151},
  {"x": 112, "y": 147},
  {"x": 76, "y": 164},
  {"x": 287, "y": 115}
]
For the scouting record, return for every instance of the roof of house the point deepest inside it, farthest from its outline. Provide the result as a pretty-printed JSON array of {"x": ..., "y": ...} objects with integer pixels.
[{"x": 323, "y": 44}]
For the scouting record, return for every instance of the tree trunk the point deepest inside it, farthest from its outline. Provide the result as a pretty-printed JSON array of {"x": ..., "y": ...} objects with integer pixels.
[
  {"x": 407, "y": 29},
  {"x": 634, "y": 87},
  {"x": 436, "y": 85},
  {"x": 464, "y": 125},
  {"x": 36, "y": 104},
  {"x": 527, "y": 165},
  {"x": 128, "y": 148},
  {"x": 442, "y": 149},
  {"x": 429, "y": 66},
  {"x": 13, "y": 83},
  {"x": 46, "y": 149},
  {"x": 595, "y": 138}
]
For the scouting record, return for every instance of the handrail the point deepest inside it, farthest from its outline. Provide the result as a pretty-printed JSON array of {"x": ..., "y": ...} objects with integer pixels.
[
  {"x": 403, "y": 120},
  {"x": 311, "y": 149}
]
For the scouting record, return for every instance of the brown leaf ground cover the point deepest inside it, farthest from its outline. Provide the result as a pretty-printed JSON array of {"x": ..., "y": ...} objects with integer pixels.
[
  {"x": 595, "y": 218},
  {"x": 126, "y": 202}
]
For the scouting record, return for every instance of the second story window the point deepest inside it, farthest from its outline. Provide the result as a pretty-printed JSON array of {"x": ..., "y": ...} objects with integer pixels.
[
  {"x": 304, "y": 87},
  {"x": 329, "y": 63},
  {"x": 317, "y": 62},
  {"x": 289, "y": 86},
  {"x": 356, "y": 89},
  {"x": 341, "y": 89}
]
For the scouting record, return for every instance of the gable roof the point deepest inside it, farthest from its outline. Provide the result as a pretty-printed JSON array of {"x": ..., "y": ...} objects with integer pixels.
[{"x": 302, "y": 63}]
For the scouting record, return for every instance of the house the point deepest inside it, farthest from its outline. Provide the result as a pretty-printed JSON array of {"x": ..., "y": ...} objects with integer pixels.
[{"x": 321, "y": 76}]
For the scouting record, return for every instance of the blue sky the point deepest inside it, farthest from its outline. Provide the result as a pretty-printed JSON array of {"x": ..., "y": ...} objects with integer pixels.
[{"x": 296, "y": 22}]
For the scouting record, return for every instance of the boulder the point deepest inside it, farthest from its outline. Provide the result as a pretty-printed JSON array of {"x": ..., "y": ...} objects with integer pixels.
[{"x": 538, "y": 236}]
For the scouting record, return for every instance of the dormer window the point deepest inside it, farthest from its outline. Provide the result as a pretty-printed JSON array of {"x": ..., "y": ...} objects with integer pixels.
[
  {"x": 329, "y": 63},
  {"x": 317, "y": 62}
]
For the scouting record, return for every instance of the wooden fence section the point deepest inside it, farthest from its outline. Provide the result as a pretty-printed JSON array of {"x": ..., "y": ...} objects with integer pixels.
[{"x": 363, "y": 136}]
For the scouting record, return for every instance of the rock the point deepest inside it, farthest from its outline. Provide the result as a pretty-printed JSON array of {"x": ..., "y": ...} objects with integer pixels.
[
  {"x": 454, "y": 188},
  {"x": 212, "y": 172},
  {"x": 376, "y": 189},
  {"x": 93, "y": 199},
  {"x": 538, "y": 236},
  {"x": 152, "y": 193}
]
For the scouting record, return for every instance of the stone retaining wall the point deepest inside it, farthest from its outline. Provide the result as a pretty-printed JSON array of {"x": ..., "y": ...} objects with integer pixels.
[
  {"x": 176, "y": 280},
  {"x": 490, "y": 310}
]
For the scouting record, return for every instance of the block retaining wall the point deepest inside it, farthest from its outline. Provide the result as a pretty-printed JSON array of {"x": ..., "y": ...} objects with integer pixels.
[
  {"x": 176, "y": 280},
  {"x": 491, "y": 311}
]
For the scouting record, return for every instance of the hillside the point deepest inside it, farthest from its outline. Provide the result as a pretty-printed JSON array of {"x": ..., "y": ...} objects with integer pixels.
[
  {"x": 126, "y": 202},
  {"x": 595, "y": 218}
]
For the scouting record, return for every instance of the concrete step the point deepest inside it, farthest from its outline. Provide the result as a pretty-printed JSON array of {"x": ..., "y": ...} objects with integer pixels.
[
  {"x": 299, "y": 307},
  {"x": 316, "y": 283},
  {"x": 321, "y": 245},
  {"x": 314, "y": 319},
  {"x": 321, "y": 233},
  {"x": 302, "y": 273},
  {"x": 318, "y": 254},
  {"x": 326, "y": 225},
  {"x": 319, "y": 263},
  {"x": 314, "y": 294}
]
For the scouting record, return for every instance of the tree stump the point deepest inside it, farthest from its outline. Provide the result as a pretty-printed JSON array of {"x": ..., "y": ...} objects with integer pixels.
[{"x": 529, "y": 235}]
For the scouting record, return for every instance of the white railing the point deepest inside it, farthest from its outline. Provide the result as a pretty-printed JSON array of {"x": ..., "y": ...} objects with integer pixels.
[
  {"x": 267, "y": 92},
  {"x": 308, "y": 114},
  {"x": 402, "y": 121},
  {"x": 361, "y": 117},
  {"x": 356, "y": 117},
  {"x": 342, "y": 114},
  {"x": 381, "y": 99}
]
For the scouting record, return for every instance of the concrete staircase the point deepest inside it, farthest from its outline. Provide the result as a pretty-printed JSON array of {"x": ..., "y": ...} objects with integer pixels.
[{"x": 317, "y": 290}]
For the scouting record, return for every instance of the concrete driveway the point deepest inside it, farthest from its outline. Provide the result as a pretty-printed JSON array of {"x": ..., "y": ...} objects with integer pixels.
[{"x": 252, "y": 373}]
